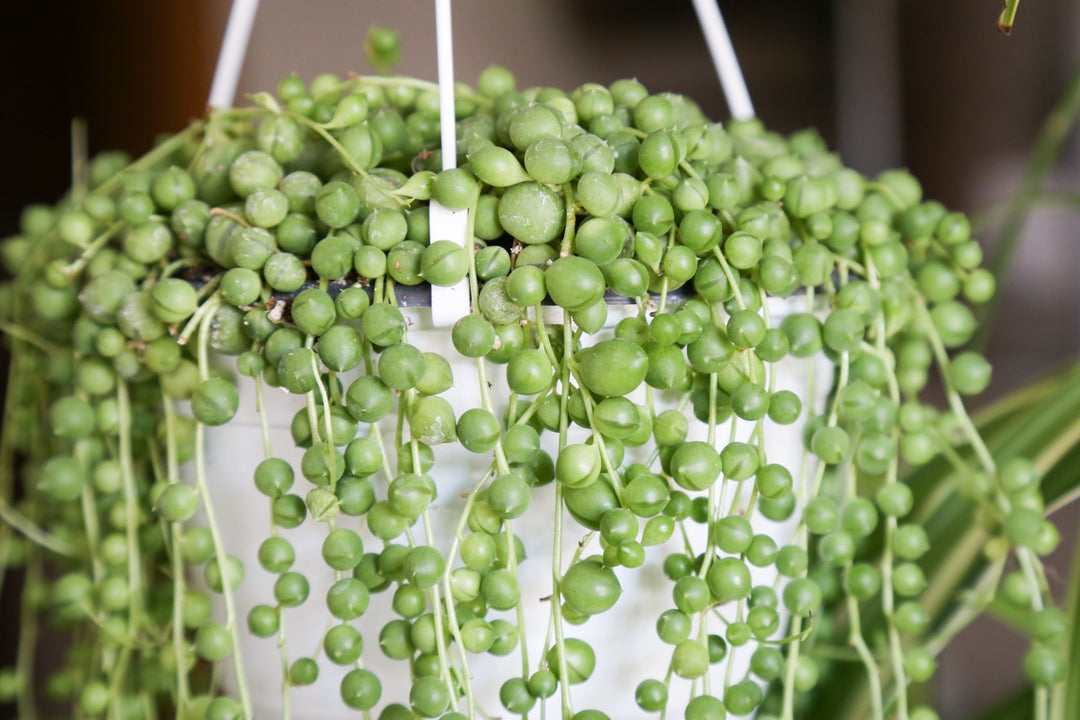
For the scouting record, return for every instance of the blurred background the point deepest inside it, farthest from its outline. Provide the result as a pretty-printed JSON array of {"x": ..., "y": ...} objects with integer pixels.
[{"x": 923, "y": 84}]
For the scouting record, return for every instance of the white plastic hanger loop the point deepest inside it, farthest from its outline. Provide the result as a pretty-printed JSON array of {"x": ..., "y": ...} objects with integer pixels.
[
  {"x": 723, "y": 57},
  {"x": 448, "y": 304},
  {"x": 233, "y": 50}
]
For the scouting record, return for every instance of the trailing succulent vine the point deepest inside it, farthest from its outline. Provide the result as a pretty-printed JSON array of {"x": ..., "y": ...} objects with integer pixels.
[{"x": 288, "y": 236}]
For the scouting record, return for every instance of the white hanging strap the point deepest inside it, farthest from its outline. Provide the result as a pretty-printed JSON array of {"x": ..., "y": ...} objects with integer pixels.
[
  {"x": 231, "y": 57},
  {"x": 448, "y": 304},
  {"x": 444, "y": 52},
  {"x": 723, "y": 57}
]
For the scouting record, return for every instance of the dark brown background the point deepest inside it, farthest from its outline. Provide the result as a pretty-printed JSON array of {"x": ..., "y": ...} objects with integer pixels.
[{"x": 926, "y": 84}]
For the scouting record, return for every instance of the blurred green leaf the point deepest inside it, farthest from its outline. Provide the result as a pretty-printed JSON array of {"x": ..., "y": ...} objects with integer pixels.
[
  {"x": 1041, "y": 422},
  {"x": 1066, "y": 702}
]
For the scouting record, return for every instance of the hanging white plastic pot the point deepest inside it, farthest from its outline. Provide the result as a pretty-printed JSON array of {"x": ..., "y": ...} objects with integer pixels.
[
  {"x": 630, "y": 649},
  {"x": 633, "y": 651}
]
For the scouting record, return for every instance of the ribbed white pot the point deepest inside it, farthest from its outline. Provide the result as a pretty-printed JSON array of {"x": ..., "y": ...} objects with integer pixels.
[{"x": 628, "y": 649}]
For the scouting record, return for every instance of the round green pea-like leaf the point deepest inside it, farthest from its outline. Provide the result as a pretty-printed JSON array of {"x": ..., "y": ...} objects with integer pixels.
[
  {"x": 613, "y": 367},
  {"x": 590, "y": 588},
  {"x": 695, "y": 465},
  {"x": 532, "y": 213}
]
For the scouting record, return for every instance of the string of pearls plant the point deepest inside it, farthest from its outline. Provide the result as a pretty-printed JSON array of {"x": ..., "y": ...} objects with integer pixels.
[{"x": 285, "y": 235}]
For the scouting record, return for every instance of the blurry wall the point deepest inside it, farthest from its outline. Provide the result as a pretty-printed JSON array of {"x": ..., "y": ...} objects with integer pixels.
[{"x": 922, "y": 83}]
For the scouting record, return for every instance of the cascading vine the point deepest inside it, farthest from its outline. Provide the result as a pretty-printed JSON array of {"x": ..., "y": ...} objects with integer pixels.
[{"x": 291, "y": 236}]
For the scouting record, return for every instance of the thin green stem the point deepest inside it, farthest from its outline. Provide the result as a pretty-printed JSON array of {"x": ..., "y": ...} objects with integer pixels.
[
  {"x": 485, "y": 399},
  {"x": 888, "y": 193},
  {"x": 1027, "y": 566},
  {"x": 1042, "y": 702},
  {"x": 732, "y": 278},
  {"x": 131, "y": 502},
  {"x": 598, "y": 439},
  {"x": 975, "y": 602},
  {"x": 1008, "y": 16},
  {"x": 76, "y": 266},
  {"x": 451, "y": 612},
  {"x": 418, "y": 84},
  {"x": 268, "y": 452},
  {"x": 855, "y": 634},
  {"x": 891, "y": 477},
  {"x": 7, "y": 458},
  {"x": 440, "y": 636},
  {"x": 512, "y": 566},
  {"x": 28, "y": 633},
  {"x": 347, "y": 159},
  {"x": 556, "y": 548},
  {"x": 156, "y": 155},
  {"x": 24, "y": 525},
  {"x": 209, "y": 307},
  {"x": 30, "y": 337},
  {"x": 856, "y": 640},
  {"x": 220, "y": 554},
  {"x": 788, "y": 710},
  {"x": 260, "y": 410},
  {"x": 569, "y": 228},
  {"x": 175, "y": 532},
  {"x": 328, "y": 419},
  {"x": 137, "y": 597},
  {"x": 93, "y": 534},
  {"x": 175, "y": 265},
  {"x": 956, "y": 404}
]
